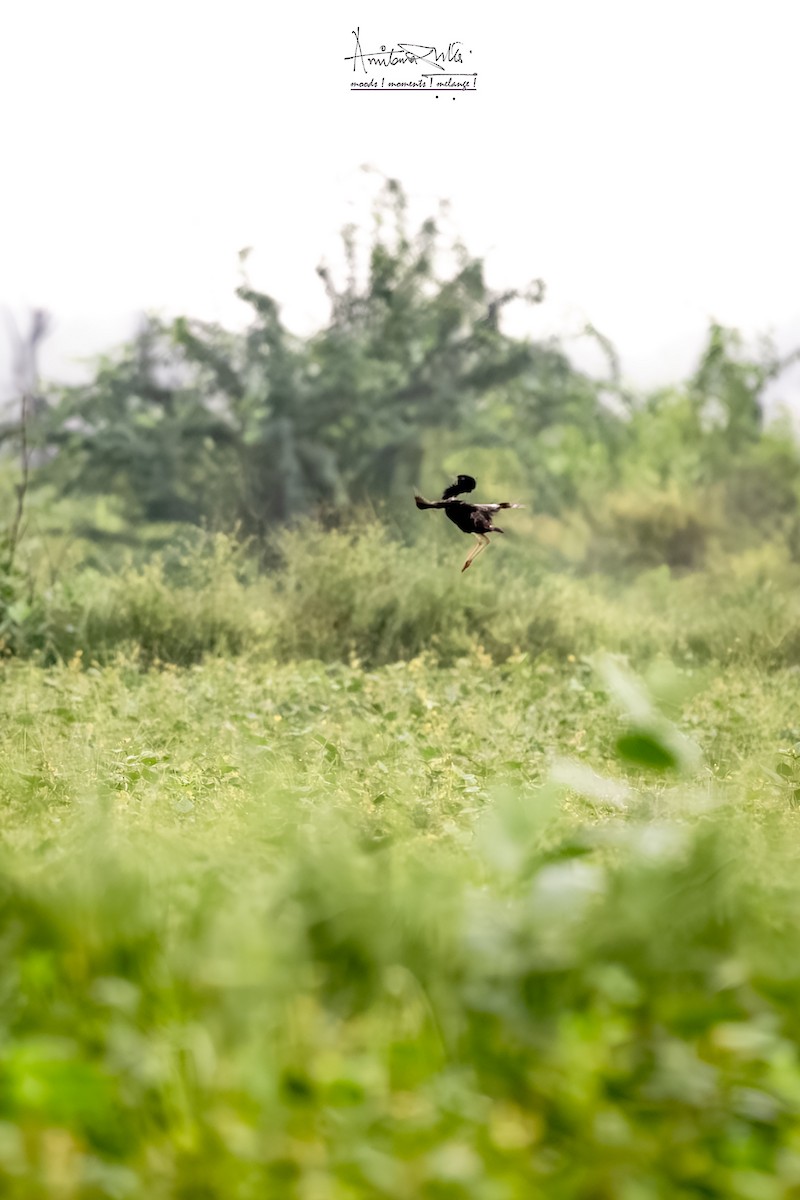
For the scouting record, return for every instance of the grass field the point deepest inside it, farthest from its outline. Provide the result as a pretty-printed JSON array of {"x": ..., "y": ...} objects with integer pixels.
[{"x": 351, "y": 884}]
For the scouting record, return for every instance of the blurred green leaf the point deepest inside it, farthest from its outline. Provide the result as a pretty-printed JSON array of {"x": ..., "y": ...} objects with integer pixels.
[{"x": 646, "y": 750}]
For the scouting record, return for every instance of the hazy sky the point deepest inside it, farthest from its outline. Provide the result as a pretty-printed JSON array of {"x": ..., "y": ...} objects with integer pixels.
[{"x": 640, "y": 156}]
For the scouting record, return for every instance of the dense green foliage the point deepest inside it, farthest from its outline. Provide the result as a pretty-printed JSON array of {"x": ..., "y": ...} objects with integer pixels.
[
  {"x": 329, "y": 873},
  {"x": 191, "y": 421},
  {"x": 419, "y": 931},
  {"x": 414, "y": 376},
  {"x": 358, "y": 593}
]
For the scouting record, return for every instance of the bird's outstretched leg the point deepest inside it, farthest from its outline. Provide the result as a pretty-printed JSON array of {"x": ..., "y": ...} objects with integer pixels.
[{"x": 481, "y": 544}]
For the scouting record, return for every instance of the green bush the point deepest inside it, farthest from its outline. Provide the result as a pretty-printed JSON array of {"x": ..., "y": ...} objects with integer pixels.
[
  {"x": 531, "y": 1016},
  {"x": 640, "y": 529},
  {"x": 180, "y": 605},
  {"x": 283, "y": 930},
  {"x": 358, "y": 592}
]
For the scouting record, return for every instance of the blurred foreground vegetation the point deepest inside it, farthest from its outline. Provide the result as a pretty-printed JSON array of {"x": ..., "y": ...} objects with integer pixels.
[
  {"x": 478, "y": 930},
  {"x": 327, "y": 872}
]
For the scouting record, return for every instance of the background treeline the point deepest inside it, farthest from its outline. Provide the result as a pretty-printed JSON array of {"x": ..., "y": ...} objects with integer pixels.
[{"x": 274, "y": 437}]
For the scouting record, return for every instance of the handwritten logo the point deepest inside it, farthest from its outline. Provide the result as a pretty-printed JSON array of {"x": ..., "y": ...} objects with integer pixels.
[{"x": 439, "y": 76}]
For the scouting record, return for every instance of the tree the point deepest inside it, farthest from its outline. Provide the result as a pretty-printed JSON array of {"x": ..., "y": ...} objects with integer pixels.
[
  {"x": 25, "y": 348},
  {"x": 140, "y": 429},
  {"x": 13, "y": 584},
  {"x": 191, "y": 420}
]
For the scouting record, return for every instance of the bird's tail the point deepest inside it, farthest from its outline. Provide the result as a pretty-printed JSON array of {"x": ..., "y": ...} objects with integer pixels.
[{"x": 421, "y": 502}]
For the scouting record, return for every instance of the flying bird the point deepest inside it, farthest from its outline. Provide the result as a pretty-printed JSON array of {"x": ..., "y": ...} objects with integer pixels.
[{"x": 471, "y": 518}]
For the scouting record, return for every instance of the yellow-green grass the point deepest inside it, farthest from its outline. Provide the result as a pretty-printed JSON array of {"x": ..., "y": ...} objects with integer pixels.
[{"x": 316, "y": 929}]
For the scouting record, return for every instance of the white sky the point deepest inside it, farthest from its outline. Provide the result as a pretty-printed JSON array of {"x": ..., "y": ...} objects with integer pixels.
[{"x": 640, "y": 156}]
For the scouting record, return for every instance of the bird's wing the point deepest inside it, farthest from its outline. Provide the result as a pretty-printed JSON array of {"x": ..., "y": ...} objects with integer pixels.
[
  {"x": 496, "y": 507},
  {"x": 421, "y": 502}
]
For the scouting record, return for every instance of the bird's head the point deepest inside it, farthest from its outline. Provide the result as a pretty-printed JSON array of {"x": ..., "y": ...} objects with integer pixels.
[{"x": 464, "y": 483}]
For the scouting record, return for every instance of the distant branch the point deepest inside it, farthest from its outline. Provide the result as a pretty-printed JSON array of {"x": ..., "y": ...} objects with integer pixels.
[{"x": 26, "y": 379}]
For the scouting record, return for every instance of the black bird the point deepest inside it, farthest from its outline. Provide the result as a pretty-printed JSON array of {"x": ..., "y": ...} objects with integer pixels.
[{"x": 471, "y": 518}]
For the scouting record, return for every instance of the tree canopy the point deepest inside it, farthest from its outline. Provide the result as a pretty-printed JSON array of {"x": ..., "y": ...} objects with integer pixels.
[{"x": 191, "y": 421}]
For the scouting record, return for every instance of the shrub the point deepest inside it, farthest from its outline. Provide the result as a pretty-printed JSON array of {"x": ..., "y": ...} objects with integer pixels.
[
  {"x": 357, "y": 592},
  {"x": 185, "y": 602},
  {"x": 643, "y": 529}
]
